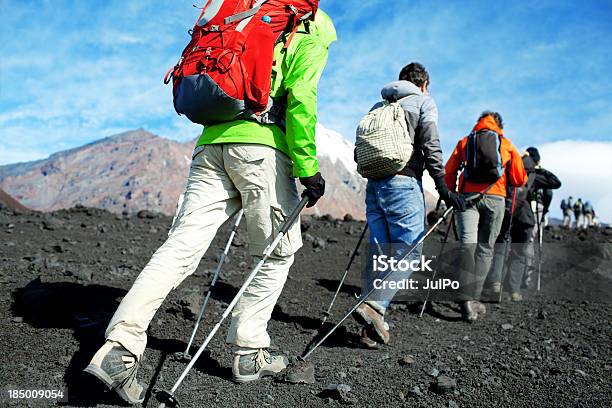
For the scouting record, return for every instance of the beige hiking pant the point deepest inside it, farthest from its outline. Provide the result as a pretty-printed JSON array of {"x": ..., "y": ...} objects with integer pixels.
[{"x": 223, "y": 178}]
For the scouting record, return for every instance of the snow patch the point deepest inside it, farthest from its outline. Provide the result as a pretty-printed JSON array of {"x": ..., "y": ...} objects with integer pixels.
[{"x": 336, "y": 147}]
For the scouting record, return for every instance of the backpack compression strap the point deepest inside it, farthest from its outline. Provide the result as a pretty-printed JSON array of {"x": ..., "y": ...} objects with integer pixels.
[{"x": 244, "y": 14}]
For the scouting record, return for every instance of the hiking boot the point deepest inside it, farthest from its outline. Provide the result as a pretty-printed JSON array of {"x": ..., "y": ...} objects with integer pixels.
[
  {"x": 471, "y": 310},
  {"x": 491, "y": 294},
  {"x": 252, "y": 364},
  {"x": 366, "y": 341},
  {"x": 479, "y": 307},
  {"x": 516, "y": 297},
  {"x": 367, "y": 315},
  {"x": 116, "y": 367}
]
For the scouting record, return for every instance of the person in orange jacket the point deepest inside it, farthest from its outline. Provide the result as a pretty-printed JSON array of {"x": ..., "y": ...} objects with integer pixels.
[{"x": 479, "y": 225}]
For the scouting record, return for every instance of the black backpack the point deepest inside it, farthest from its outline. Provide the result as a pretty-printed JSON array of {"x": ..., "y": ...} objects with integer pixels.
[{"x": 483, "y": 161}]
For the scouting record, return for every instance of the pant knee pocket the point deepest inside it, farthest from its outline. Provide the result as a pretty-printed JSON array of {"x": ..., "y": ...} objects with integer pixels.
[{"x": 292, "y": 241}]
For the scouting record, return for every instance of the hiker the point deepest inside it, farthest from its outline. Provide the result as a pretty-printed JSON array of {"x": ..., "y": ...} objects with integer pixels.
[
  {"x": 578, "y": 209},
  {"x": 540, "y": 197},
  {"x": 395, "y": 206},
  {"x": 589, "y": 214},
  {"x": 490, "y": 164},
  {"x": 522, "y": 234},
  {"x": 237, "y": 164},
  {"x": 566, "y": 208}
]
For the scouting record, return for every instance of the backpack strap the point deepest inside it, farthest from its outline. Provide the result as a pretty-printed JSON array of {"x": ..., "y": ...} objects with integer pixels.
[{"x": 244, "y": 14}]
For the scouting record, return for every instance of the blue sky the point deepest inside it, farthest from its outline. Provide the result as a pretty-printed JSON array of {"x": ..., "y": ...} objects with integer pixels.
[{"x": 75, "y": 71}]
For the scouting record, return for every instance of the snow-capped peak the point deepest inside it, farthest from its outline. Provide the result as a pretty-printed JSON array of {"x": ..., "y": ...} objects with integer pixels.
[{"x": 336, "y": 147}]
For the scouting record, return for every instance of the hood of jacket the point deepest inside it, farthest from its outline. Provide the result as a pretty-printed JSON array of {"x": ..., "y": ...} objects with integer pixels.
[
  {"x": 488, "y": 123},
  {"x": 398, "y": 90},
  {"x": 323, "y": 28}
]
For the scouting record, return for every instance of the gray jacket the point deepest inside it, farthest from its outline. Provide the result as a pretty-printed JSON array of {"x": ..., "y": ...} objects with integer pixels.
[{"x": 422, "y": 119}]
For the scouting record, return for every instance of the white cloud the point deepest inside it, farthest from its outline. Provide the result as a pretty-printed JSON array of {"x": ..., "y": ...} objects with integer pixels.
[
  {"x": 16, "y": 155},
  {"x": 585, "y": 169}
]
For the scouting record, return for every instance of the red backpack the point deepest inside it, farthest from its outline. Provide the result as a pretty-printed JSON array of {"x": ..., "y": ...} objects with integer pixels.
[{"x": 225, "y": 71}]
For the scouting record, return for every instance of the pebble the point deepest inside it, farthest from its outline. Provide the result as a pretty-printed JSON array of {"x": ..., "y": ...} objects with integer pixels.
[
  {"x": 145, "y": 214},
  {"x": 308, "y": 238},
  {"x": 17, "y": 319},
  {"x": 319, "y": 243},
  {"x": 580, "y": 372},
  {"x": 416, "y": 391},
  {"x": 452, "y": 404},
  {"x": 443, "y": 384},
  {"x": 407, "y": 360},
  {"x": 340, "y": 392},
  {"x": 81, "y": 273},
  {"x": 51, "y": 224},
  {"x": 507, "y": 326},
  {"x": 190, "y": 305},
  {"x": 433, "y": 372},
  {"x": 300, "y": 372}
]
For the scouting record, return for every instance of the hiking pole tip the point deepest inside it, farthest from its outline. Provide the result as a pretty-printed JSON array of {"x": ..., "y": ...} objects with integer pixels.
[{"x": 167, "y": 400}]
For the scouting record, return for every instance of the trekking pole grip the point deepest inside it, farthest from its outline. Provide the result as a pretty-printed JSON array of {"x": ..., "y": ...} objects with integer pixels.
[{"x": 293, "y": 216}]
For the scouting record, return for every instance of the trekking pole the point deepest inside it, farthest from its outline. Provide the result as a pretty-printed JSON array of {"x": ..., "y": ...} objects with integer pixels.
[
  {"x": 363, "y": 298},
  {"x": 326, "y": 314},
  {"x": 540, "y": 235},
  {"x": 450, "y": 223},
  {"x": 508, "y": 240},
  {"x": 167, "y": 398},
  {"x": 185, "y": 354}
]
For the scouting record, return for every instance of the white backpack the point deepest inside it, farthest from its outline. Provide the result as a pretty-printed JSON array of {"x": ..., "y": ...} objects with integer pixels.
[{"x": 383, "y": 144}]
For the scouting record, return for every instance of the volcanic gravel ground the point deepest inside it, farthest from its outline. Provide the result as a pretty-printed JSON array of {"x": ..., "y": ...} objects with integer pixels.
[{"x": 62, "y": 275}]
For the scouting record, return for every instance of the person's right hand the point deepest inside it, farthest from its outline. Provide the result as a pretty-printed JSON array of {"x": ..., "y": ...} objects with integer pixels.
[{"x": 452, "y": 199}]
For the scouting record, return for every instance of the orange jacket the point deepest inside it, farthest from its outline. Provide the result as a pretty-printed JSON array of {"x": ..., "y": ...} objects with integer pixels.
[{"x": 515, "y": 175}]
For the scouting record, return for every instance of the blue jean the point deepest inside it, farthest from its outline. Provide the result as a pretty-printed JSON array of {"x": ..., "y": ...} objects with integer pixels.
[{"x": 395, "y": 211}]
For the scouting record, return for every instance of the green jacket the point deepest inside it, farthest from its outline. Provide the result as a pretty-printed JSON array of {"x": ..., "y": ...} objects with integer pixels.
[{"x": 295, "y": 75}]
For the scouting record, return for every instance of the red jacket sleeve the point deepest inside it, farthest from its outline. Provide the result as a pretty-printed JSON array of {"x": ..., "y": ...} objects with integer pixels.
[
  {"x": 517, "y": 176},
  {"x": 452, "y": 167}
]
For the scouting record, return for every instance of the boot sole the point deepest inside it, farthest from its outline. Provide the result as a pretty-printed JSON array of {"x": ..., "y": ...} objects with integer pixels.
[
  {"x": 366, "y": 319},
  {"x": 110, "y": 384},
  {"x": 253, "y": 377}
]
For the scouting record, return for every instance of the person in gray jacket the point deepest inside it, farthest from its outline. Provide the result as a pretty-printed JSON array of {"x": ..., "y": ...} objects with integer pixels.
[{"x": 395, "y": 206}]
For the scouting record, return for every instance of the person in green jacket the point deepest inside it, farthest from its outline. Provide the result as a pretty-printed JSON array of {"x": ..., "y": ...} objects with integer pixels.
[{"x": 238, "y": 164}]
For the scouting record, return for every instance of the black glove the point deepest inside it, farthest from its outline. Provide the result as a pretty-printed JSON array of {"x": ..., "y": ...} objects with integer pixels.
[
  {"x": 314, "y": 188},
  {"x": 451, "y": 199}
]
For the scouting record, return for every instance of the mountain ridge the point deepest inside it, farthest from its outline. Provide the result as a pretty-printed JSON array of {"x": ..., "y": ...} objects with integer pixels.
[{"x": 136, "y": 170}]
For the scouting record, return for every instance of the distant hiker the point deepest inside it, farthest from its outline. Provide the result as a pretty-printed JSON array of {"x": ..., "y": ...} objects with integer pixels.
[
  {"x": 589, "y": 213},
  {"x": 567, "y": 209},
  {"x": 490, "y": 164},
  {"x": 522, "y": 234},
  {"x": 395, "y": 206},
  {"x": 236, "y": 164},
  {"x": 578, "y": 208}
]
